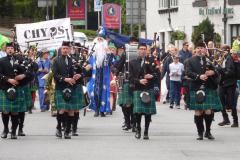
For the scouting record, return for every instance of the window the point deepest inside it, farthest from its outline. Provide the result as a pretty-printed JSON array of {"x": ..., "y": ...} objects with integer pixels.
[{"x": 163, "y": 4}]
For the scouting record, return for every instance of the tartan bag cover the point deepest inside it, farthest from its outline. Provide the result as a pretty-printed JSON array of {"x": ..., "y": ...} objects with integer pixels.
[{"x": 140, "y": 107}]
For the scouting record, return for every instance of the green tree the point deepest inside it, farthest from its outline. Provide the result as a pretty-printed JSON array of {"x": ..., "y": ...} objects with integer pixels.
[{"x": 206, "y": 28}]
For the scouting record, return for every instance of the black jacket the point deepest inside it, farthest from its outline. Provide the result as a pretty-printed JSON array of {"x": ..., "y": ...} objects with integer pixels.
[
  {"x": 228, "y": 77},
  {"x": 137, "y": 73},
  {"x": 61, "y": 71},
  {"x": 28, "y": 67},
  {"x": 120, "y": 66},
  {"x": 8, "y": 71},
  {"x": 195, "y": 69},
  {"x": 166, "y": 64}
]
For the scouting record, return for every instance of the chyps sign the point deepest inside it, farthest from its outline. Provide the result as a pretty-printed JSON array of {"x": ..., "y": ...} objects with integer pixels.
[{"x": 48, "y": 34}]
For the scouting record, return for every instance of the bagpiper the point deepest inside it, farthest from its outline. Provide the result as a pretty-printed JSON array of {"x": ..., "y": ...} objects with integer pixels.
[
  {"x": 12, "y": 94},
  {"x": 68, "y": 90},
  {"x": 203, "y": 91},
  {"x": 142, "y": 78}
]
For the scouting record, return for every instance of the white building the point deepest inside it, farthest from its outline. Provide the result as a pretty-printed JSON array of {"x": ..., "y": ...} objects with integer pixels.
[{"x": 184, "y": 15}]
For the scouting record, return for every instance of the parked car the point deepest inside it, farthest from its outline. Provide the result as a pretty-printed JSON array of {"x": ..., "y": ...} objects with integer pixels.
[{"x": 80, "y": 38}]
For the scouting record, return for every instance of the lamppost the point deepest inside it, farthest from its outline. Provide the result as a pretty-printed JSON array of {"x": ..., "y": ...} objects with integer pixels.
[
  {"x": 47, "y": 16},
  {"x": 225, "y": 18}
]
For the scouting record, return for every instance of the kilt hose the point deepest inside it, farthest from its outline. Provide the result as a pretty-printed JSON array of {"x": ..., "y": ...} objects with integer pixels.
[
  {"x": 140, "y": 107},
  {"x": 124, "y": 96},
  {"x": 75, "y": 103},
  {"x": 212, "y": 101},
  {"x": 20, "y": 104}
]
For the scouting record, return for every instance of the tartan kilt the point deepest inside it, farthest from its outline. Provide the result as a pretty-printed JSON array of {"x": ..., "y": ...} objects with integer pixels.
[
  {"x": 20, "y": 104},
  {"x": 124, "y": 96},
  {"x": 140, "y": 107},
  {"x": 75, "y": 103},
  {"x": 212, "y": 101},
  {"x": 28, "y": 96}
]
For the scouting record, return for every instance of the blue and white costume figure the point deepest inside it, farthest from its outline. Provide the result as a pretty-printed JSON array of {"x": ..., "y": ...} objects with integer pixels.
[
  {"x": 91, "y": 84},
  {"x": 101, "y": 92}
]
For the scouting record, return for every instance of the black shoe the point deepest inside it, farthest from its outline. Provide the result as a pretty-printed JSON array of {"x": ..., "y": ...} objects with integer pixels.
[
  {"x": 234, "y": 125},
  {"x": 134, "y": 129},
  {"x": 200, "y": 137},
  {"x": 171, "y": 106},
  {"x": 145, "y": 136},
  {"x": 223, "y": 123},
  {"x": 4, "y": 134},
  {"x": 74, "y": 133},
  {"x": 124, "y": 125},
  {"x": 53, "y": 114},
  {"x": 21, "y": 133},
  {"x": 209, "y": 136},
  {"x": 58, "y": 133},
  {"x": 126, "y": 128},
  {"x": 67, "y": 136},
  {"x": 30, "y": 111},
  {"x": 13, "y": 136},
  {"x": 96, "y": 114},
  {"x": 102, "y": 114},
  {"x": 109, "y": 113},
  {"x": 138, "y": 134}
]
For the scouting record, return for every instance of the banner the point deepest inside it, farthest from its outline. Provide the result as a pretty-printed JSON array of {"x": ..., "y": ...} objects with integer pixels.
[
  {"x": 112, "y": 16},
  {"x": 76, "y": 9},
  {"x": 47, "y": 34}
]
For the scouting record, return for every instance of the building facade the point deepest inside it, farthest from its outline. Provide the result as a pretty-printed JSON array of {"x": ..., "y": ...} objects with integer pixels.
[{"x": 165, "y": 16}]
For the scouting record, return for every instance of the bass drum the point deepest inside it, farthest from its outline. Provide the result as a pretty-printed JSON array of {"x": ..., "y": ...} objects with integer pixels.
[{"x": 86, "y": 97}]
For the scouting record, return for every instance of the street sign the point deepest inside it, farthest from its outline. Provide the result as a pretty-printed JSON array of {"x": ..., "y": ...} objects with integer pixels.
[
  {"x": 45, "y": 3},
  {"x": 97, "y": 5},
  {"x": 135, "y": 11},
  {"x": 78, "y": 22}
]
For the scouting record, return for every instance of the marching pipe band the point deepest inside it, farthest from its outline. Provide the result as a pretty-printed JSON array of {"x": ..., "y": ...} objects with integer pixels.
[{"x": 71, "y": 70}]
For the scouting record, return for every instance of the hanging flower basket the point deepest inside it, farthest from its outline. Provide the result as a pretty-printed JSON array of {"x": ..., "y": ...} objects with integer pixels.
[{"x": 178, "y": 35}]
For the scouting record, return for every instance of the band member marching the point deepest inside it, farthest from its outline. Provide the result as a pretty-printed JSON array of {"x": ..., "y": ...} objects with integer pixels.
[
  {"x": 142, "y": 79},
  {"x": 79, "y": 57},
  {"x": 124, "y": 97},
  {"x": 29, "y": 67},
  {"x": 68, "y": 93},
  {"x": 12, "y": 94},
  {"x": 227, "y": 86},
  {"x": 203, "y": 94}
]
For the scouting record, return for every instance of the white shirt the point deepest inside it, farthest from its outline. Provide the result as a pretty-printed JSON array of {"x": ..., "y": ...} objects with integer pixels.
[
  {"x": 176, "y": 70},
  {"x": 2, "y": 54}
]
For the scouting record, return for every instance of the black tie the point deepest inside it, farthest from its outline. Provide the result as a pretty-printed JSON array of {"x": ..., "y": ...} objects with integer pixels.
[
  {"x": 142, "y": 62},
  {"x": 201, "y": 60},
  {"x": 66, "y": 61},
  {"x": 11, "y": 61}
]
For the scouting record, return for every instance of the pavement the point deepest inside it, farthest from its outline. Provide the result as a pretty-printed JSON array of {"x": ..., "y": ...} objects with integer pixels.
[{"x": 172, "y": 136}]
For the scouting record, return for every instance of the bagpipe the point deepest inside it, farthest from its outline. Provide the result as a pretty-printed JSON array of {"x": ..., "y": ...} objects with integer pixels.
[
  {"x": 131, "y": 54},
  {"x": 147, "y": 68}
]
